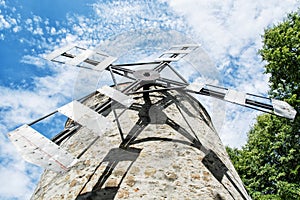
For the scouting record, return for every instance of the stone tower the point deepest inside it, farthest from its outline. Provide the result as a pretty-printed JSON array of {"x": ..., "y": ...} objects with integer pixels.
[
  {"x": 164, "y": 146},
  {"x": 143, "y": 138}
]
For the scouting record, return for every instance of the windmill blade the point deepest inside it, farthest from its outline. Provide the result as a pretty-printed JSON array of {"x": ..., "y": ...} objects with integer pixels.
[
  {"x": 176, "y": 52},
  {"x": 195, "y": 87},
  {"x": 101, "y": 66},
  {"x": 116, "y": 95},
  {"x": 39, "y": 150},
  {"x": 59, "y": 52},
  {"x": 235, "y": 97},
  {"x": 86, "y": 117},
  {"x": 253, "y": 101},
  {"x": 282, "y": 108},
  {"x": 81, "y": 57}
]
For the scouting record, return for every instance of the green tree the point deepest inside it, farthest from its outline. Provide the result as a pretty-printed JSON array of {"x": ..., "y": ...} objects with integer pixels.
[
  {"x": 281, "y": 50},
  {"x": 269, "y": 162}
]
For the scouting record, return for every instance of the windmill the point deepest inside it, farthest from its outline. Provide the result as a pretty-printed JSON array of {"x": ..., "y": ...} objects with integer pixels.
[{"x": 148, "y": 95}]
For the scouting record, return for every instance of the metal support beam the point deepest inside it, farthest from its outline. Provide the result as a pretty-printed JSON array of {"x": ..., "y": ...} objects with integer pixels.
[{"x": 260, "y": 103}]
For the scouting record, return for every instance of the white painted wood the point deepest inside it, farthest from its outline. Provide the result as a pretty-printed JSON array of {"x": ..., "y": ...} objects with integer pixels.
[
  {"x": 283, "y": 109},
  {"x": 81, "y": 57},
  {"x": 235, "y": 97},
  {"x": 59, "y": 51},
  {"x": 39, "y": 150},
  {"x": 86, "y": 117},
  {"x": 177, "y": 51},
  {"x": 196, "y": 87},
  {"x": 180, "y": 52},
  {"x": 186, "y": 45},
  {"x": 167, "y": 59},
  {"x": 105, "y": 63},
  {"x": 116, "y": 95}
]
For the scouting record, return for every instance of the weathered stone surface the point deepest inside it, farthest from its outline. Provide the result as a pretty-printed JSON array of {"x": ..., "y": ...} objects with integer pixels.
[
  {"x": 123, "y": 194},
  {"x": 150, "y": 171},
  {"x": 171, "y": 176},
  {"x": 130, "y": 181},
  {"x": 181, "y": 158}
]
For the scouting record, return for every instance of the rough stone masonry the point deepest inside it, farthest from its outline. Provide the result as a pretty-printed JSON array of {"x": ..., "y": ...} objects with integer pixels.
[{"x": 163, "y": 147}]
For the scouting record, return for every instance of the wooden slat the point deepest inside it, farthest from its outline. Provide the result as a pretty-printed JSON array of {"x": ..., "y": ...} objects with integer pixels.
[
  {"x": 235, "y": 97},
  {"x": 37, "y": 149},
  {"x": 58, "y": 52},
  {"x": 86, "y": 117},
  {"x": 81, "y": 57},
  {"x": 105, "y": 63},
  {"x": 282, "y": 108},
  {"x": 116, "y": 95}
]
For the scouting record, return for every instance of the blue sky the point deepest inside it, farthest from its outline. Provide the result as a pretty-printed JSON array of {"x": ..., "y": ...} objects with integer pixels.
[
  {"x": 229, "y": 33},
  {"x": 18, "y": 37}
]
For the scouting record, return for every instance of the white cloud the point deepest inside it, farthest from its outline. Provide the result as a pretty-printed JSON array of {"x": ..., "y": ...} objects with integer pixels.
[
  {"x": 38, "y": 31},
  {"x": 2, "y": 3},
  {"x": 237, "y": 122},
  {"x": 18, "y": 175},
  {"x": 20, "y": 187},
  {"x": 12, "y": 21},
  {"x": 52, "y": 30},
  {"x": 231, "y": 32},
  {"x": 4, "y": 23},
  {"x": 33, "y": 60},
  {"x": 35, "y": 25},
  {"x": 17, "y": 29},
  {"x": 37, "y": 19},
  {"x": 28, "y": 21},
  {"x": 226, "y": 27},
  {"x": 21, "y": 106}
]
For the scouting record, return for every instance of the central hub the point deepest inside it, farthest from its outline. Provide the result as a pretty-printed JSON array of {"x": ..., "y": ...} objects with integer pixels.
[{"x": 146, "y": 75}]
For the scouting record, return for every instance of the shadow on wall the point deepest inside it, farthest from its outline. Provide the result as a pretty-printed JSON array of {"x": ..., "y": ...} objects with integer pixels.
[
  {"x": 111, "y": 160},
  {"x": 108, "y": 185}
]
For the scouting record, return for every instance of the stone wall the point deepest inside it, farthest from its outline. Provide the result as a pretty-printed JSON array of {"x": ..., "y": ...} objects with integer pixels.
[{"x": 170, "y": 150}]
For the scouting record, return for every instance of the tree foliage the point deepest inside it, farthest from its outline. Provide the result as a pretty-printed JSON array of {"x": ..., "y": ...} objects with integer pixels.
[
  {"x": 269, "y": 162},
  {"x": 281, "y": 50}
]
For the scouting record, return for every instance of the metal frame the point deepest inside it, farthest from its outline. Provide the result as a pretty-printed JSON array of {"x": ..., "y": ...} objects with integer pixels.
[
  {"x": 275, "y": 107},
  {"x": 141, "y": 79}
]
